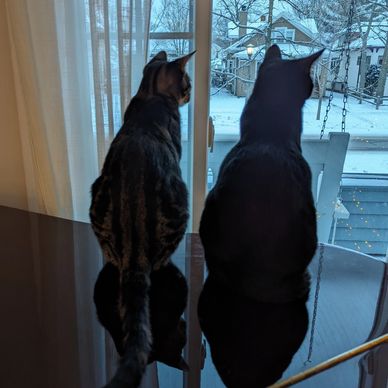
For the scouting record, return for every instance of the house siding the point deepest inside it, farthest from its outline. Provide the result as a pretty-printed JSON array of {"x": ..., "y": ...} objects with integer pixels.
[
  {"x": 366, "y": 230},
  {"x": 354, "y": 68},
  {"x": 239, "y": 87},
  {"x": 300, "y": 36}
]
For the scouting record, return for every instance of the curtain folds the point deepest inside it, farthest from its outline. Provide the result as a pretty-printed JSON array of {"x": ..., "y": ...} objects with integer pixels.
[
  {"x": 76, "y": 66},
  {"x": 119, "y": 47}
]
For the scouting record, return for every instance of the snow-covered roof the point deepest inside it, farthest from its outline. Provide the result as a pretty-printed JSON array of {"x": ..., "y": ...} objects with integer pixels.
[
  {"x": 236, "y": 46},
  {"x": 375, "y": 39},
  {"x": 288, "y": 50},
  {"x": 307, "y": 26}
]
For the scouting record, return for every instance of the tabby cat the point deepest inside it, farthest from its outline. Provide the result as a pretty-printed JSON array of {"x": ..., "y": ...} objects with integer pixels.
[
  {"x": 139, "y": 213},
  {"x": 258, "y": 227}
]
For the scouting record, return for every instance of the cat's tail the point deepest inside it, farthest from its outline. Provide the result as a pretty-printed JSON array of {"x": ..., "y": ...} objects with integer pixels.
[{"x": 137, "y": 343}]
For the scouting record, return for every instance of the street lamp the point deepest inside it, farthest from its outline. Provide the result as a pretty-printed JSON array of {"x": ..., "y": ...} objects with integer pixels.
[{"x": 249, "y": 50}]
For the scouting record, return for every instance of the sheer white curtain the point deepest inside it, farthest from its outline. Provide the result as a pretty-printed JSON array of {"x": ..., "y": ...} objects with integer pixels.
[
  {"x": 76, "y": 65},
  {"x": 119, "y": 33}
]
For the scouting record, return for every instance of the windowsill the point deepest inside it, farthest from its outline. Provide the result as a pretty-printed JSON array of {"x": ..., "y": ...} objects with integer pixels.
[{"x": 357, "y": 142}]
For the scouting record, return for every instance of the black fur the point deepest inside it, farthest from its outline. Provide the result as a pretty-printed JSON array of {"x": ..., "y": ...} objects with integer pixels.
[
  {"x": 258, "y": 227},
  {"x": 139, "y": 213},
  {"x": 258, "y": 230},
  {"x": 252, "y": 343}
]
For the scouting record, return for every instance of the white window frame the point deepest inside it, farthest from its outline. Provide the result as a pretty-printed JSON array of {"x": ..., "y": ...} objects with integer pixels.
[
  {"x": 290, "y": 31},
  {"x": 200, "y": 113},
  {"x": 283, "y": 37},
  {"x": 278, "y": 34}
]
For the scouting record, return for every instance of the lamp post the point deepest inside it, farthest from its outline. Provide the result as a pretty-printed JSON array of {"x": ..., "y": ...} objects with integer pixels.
[
  {"x": 250, "y": 84},
  {"x": 249, "y": 50}
]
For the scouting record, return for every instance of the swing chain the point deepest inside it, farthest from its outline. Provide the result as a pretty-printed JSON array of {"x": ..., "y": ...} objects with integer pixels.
[
  {"x": 316, "y": 295},
  {"x": 347, "y": 63},
  {"x": 345, "y": 49}
]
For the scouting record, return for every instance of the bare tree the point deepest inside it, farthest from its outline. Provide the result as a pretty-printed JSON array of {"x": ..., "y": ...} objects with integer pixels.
[
  {"x": 384, "y": 65},
  {"x": 172, "y": 16},
  {"x": 383, "y": 75},
  {"x": 364, "y": 33},
  {"x": 322, "y": 81},
  {"x": 227, "y": 16},
  {"x": 269, "y": 26}
]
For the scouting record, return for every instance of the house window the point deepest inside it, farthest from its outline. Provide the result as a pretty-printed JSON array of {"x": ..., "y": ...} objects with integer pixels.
[
  {"x": 282, "y": 35},
  {"x": 290, "y": 35},
  {"x": 334, "y": 63},
  {"x": 368, "y": 59},
  {"x": 230, "y": 65},
  {"x": 380, "y": 60}
]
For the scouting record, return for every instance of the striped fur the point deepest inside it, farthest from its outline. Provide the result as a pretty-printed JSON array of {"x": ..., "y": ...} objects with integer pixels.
[{"x": 139, "y": 213}]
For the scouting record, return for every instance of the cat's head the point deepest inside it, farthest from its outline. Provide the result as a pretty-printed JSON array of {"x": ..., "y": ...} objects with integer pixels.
[
  {"x": 282, "y": 81},
  {"x": 161, "y": 77}
]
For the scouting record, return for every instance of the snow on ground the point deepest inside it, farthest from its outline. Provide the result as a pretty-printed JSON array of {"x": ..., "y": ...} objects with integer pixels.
[{"x": 362, "y": 120}]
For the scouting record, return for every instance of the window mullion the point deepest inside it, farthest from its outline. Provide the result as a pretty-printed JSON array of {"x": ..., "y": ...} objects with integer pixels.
[{"x": 203, "y": 16}]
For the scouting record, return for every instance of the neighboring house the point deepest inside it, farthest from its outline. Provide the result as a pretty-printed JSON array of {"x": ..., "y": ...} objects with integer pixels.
[
  {"x": 295, "y": 37},
  {"x": 374, "y": 56}
]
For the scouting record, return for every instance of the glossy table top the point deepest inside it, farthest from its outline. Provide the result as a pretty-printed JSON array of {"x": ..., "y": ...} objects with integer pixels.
[{"x": 50, "y": 336}]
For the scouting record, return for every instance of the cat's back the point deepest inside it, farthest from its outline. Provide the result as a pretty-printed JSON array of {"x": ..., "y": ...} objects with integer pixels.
[
  {"x": 260, "y": 207},
  {"x": 263, "y": 171},
  {"x": 143, "y": 159},
  {"x": 145, "y": 143}
]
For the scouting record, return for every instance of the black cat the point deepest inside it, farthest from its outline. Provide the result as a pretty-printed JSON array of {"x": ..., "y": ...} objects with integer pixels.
[
  {"x": 252, "y": 343},
  {"x": 139, "y": 213},
  {"x": 258, "y": 227},
  {"x": 258, "y": 230}
]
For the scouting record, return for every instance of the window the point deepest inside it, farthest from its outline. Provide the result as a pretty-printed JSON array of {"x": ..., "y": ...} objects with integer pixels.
[
  {"x": 175, "y": 34},
  {"x": 282, "y": 34},
  {"x": 364, "y": 186},
  {"x": 334, "y": 63},
  {"x": 367, "y": 62}
]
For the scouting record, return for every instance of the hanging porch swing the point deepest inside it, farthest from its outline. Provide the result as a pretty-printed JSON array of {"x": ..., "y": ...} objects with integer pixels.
[{"x": 326, "y": 158}]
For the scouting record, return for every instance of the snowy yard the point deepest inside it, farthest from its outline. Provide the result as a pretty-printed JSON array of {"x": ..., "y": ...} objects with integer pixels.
[{"x": 363, "y": 120}]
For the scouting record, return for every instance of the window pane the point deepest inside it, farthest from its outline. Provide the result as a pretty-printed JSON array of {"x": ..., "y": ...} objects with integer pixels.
[
  {"x": 176, "y": 48},
  {"x": 363, "y": 189}
]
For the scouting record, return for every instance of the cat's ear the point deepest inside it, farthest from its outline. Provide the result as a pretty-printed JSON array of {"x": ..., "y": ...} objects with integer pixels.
[
  {"x": 307, "y": 62},
  {"x": 183, "y": 60},
  {"x": 272, "y": 53},
  {"x": 160, "y": 56}
]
